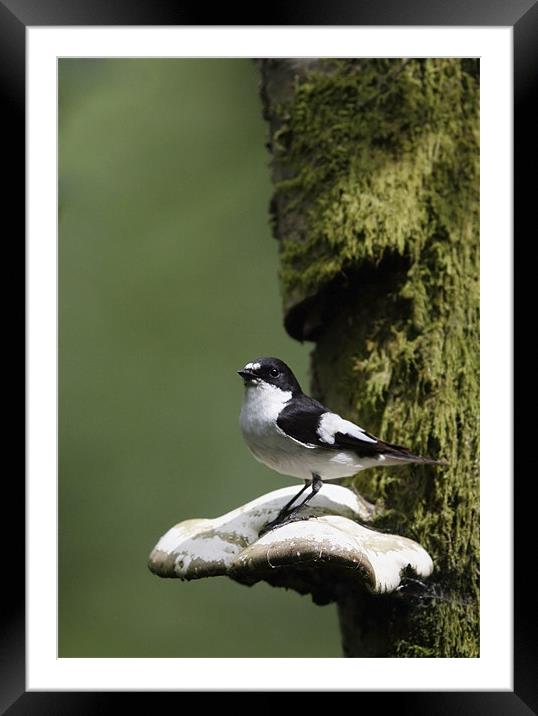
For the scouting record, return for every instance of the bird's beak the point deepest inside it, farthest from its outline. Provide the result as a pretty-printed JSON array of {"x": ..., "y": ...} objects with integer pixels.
[{"x": 247, "y": 374}]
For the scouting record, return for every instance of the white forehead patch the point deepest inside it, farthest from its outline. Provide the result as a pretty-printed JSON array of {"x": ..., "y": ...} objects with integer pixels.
[
  {"x": 253, "y": 366},
  {"x": 331, "y": 423}
]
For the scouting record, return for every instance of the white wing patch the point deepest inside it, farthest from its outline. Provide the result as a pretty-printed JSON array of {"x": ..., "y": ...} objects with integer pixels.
[{"x": 331, "y": 423}]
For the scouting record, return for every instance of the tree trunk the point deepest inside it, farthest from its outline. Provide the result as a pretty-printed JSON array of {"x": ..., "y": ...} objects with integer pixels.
[{"x": 376, "y": 208}]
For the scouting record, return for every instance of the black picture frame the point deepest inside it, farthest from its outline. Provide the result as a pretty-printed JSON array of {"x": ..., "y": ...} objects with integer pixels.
[{"x": 522, "y": 16}]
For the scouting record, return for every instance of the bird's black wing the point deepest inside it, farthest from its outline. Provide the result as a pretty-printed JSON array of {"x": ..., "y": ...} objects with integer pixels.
[
  {"x": 310, "y": 423},
  {"x": 300, "y": 420}
]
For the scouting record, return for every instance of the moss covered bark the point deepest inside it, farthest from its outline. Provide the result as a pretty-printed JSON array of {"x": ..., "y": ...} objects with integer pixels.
[{"x": 376, "y": 208}]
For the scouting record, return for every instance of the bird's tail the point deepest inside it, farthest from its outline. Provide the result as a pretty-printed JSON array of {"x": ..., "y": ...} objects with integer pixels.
[
  {"x": 399, "y": 453},
  {"x": 428, "y": 460}
]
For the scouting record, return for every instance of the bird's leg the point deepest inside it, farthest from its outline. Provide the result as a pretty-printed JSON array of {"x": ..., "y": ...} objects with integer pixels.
[
  {"x": 284, "y": 511},
  {"x": 284, "y": 515},
  {"x": 286, "y": 507},
  {"x": 316, "y": 487}
]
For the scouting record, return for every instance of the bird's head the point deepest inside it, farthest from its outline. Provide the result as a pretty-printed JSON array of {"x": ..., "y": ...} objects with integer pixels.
[{"x": 271, "y": 371}]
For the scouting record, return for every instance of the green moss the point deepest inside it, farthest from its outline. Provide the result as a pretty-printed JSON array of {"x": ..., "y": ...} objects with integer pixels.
[
  {"x": 382, "y": 164},
  {"x": 366, "y": 158}
]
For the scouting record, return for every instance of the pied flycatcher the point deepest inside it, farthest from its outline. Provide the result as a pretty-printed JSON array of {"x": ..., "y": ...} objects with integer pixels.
[{"x": 298, "y": 436}]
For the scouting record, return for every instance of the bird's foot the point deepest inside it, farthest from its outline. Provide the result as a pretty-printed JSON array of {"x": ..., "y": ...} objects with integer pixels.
[
  {"x": 293, "y": 515},
  {"x": 268, "y": 527},
  {"x": 282, "y": 520}
]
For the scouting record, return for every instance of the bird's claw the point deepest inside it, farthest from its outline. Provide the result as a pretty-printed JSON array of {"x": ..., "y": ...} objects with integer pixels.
[{"x": 280, "y": 522}]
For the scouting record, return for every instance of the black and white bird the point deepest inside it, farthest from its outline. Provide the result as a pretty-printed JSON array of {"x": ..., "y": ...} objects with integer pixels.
[{"x": 298, "y": 436}]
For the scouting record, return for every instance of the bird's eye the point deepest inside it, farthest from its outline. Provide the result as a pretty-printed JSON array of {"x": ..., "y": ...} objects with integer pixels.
[{"x": 273, "y": 372}]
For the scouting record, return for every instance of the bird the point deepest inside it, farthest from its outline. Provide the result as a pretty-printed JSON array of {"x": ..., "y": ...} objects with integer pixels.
[{"x": 298, "y": 436}]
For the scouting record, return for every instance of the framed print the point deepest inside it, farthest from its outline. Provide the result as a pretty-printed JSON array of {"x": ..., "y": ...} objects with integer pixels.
[{"x": 150, "y": 271}]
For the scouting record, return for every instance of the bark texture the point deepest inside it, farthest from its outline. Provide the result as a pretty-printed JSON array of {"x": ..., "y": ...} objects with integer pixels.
[{"x": 375, "y": 166}]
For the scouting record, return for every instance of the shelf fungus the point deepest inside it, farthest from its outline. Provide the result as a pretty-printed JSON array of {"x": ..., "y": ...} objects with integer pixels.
[{"x": 324, "y": 550}]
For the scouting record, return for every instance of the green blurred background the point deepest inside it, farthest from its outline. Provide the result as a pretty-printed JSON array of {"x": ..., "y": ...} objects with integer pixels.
[{"x": 168, "y": 284}]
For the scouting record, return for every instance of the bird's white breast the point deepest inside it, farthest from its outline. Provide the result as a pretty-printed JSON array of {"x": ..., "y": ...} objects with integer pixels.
[{"x": 262, "y": 405}]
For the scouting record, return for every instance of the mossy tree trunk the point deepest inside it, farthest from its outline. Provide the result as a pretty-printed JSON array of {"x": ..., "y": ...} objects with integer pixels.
[{"x": 376, "y": 207}]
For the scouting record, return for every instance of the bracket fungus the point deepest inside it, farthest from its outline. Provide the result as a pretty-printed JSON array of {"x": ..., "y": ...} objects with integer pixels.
[{"x": 322, "y": 552}]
